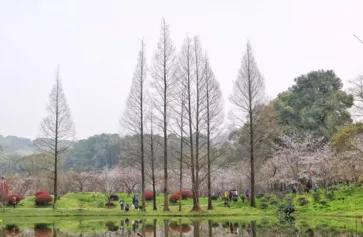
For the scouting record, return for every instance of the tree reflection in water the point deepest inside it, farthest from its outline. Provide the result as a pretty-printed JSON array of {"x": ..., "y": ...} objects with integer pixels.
[{"x": 170, "y": 228}]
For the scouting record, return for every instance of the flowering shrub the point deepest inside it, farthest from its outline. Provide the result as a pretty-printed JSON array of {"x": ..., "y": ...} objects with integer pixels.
[
  {"x": 110, "y": 204},
  {"x": 114, "y": 197},
  {"x": 41, "y": 192},
  {"x": 43, "y": 199},
  {"x": 149, "y": 228},
  {"x": 42, "y": 230},
  {"x": 149, "y": 196},
  {"x": 185, "y": 194},
  {"x": 18, "y": 199},
  {"x": 174, "y": 198},
  {"x": 184, "y": 228}
]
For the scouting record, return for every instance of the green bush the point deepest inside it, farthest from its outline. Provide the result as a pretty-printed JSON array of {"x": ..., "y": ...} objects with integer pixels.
[
  {"x": 316, "y": 197},
  {"x": 263, "y": 205},
  {"x": 303, "y": 201},
  {"x": 330, "y": 195},
  {"x": 324, "y": 202},
  {"x": 261, "y": 195},
  {"x": 274, "y": 201},
  {"x": 289, "y": 199}
]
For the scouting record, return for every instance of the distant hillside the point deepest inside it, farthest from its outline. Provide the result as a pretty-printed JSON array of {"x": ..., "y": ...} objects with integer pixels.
[{"x": 11, "y": 144}]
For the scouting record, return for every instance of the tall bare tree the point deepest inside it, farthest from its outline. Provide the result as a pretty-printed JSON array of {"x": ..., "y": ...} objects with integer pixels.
[
  {"x": 186, "y": 80},
  {"x": 133, "y": 117},
  {"x": 247, "y": 97},
  {"x": 213, "y": 119},
  {"x": 153, "y": 151},
  {"x": 56, "y": 131},
  {"x": 163, "y": 73}
]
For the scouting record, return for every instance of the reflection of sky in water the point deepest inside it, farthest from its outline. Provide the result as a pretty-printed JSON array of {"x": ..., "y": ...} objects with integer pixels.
[{"x": 178, "y": 227}]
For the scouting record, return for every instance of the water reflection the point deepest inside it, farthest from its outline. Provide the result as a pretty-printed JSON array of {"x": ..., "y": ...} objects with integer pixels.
[{"x": 175, "y": 227}]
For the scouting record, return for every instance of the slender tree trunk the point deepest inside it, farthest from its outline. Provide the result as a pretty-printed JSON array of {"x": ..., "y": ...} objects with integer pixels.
[
  {"x": 142, "y": 130},
  {"x": 197, "y": 119},
  {"x": 153, "y": 163},
  {"x": 181, "y": 151},
  {"x": 154, "y": 227},
  {"x": 253, "y": 201},
  {"x": 190, "y": 120},
  {"x": 210, "y": 206},
  {"x": 166, "y": 204},
  {"x": 210, "y": 228},
  {"x": 166, "y": 228},
  {"x": 56, "y": 148}
]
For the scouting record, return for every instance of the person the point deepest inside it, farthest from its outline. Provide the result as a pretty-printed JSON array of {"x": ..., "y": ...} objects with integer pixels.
[
  {"x": 315, "y": 187},
  {"x": 294, "y": 191},
  {"x": 13, "y": 201},
  {"x": 136, "y": 202},
  {"x": 247, "y": 193},
  {"x": 226, "y": 195},
  {"x": 122, "y": 204},
  {"x": 127, "y": 208},
  {"x": 133, "y": 200}
]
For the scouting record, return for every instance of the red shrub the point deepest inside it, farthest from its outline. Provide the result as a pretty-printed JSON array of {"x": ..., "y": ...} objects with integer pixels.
[
  {"x": 41, "y": 193},
  {"x": 114, "y": 197},
  {"x": 43, "y": 199},
  {"x": 12, "y": 230},
  {"x": 184, "y": 228},
  {"x": 174, "y": 198},
  {"x": 18, "y": 199},
  {"x": 42, "y": 230},
  {"x": 149, "y": 196},
  {"x": 185, "y": 194},
  {"x": 149, "y": 228},
  {"x": 110, "y": 204}
]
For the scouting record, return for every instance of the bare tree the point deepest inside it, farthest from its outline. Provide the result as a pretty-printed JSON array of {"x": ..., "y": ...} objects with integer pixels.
[
  {"x": 213, "y": 119},
  {"x": 163, "y": 72},
  {"x": 57, "y": 131},
  {"x": 80, "y": 180},
  {"x": 247, "y": 97},
  {"x": 129, "y": 179},
  {"x": 133, "y": 118},
  {"x": 152, "y": 152},
  {"x": 186, "y": 64}
]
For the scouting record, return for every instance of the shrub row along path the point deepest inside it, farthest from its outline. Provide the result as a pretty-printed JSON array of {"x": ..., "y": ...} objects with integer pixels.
[{"x": 344, "y": 202}]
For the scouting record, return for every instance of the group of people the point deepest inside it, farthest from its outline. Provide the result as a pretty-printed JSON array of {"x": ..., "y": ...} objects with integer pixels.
[
  {"x": 308, "y": 187},
  {"x": 135, "y": 204}
]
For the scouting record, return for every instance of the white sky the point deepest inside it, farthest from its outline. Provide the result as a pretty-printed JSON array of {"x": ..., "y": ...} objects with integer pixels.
[{"x": 95, "y": 43}]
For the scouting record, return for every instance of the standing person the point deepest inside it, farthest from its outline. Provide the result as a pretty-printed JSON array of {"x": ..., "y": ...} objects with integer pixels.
[
  {"x": 294, "y": 191},
  {"x": 122, "y": 204},
  {"x": 226, "y": 195},
  {"x": 13, "y": 198},
  {"x": 127, "y": 208},
  {"x": 133, "y": 200},
  {"x": 315, "y": 187},
  {"x": 247, "y": 193},
  {"x": 136, "y": 202}
]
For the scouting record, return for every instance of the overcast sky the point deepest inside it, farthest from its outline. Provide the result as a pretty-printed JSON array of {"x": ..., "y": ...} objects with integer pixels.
[{"x": 96, "y": 42}]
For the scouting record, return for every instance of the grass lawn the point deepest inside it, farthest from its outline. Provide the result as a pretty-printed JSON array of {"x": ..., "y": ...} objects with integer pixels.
[{"x": 346, "y": 202}]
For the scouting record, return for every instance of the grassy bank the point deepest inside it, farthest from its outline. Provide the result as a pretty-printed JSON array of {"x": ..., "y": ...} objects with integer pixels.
[{"x": 343, "y": 202}]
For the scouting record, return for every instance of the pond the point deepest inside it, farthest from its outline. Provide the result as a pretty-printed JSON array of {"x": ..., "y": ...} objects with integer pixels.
[{"x": 233, "y": 226}]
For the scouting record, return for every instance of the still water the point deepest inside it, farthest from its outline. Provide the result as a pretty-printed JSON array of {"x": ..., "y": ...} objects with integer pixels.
[{"x": 182, "y": 227}]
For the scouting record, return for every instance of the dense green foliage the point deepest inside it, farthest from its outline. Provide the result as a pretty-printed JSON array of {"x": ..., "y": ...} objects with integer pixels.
[
  {"x": 96, "y": 152},
  {"x": 316, "y": 103},
  {"x": 345, "y": 138}
]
